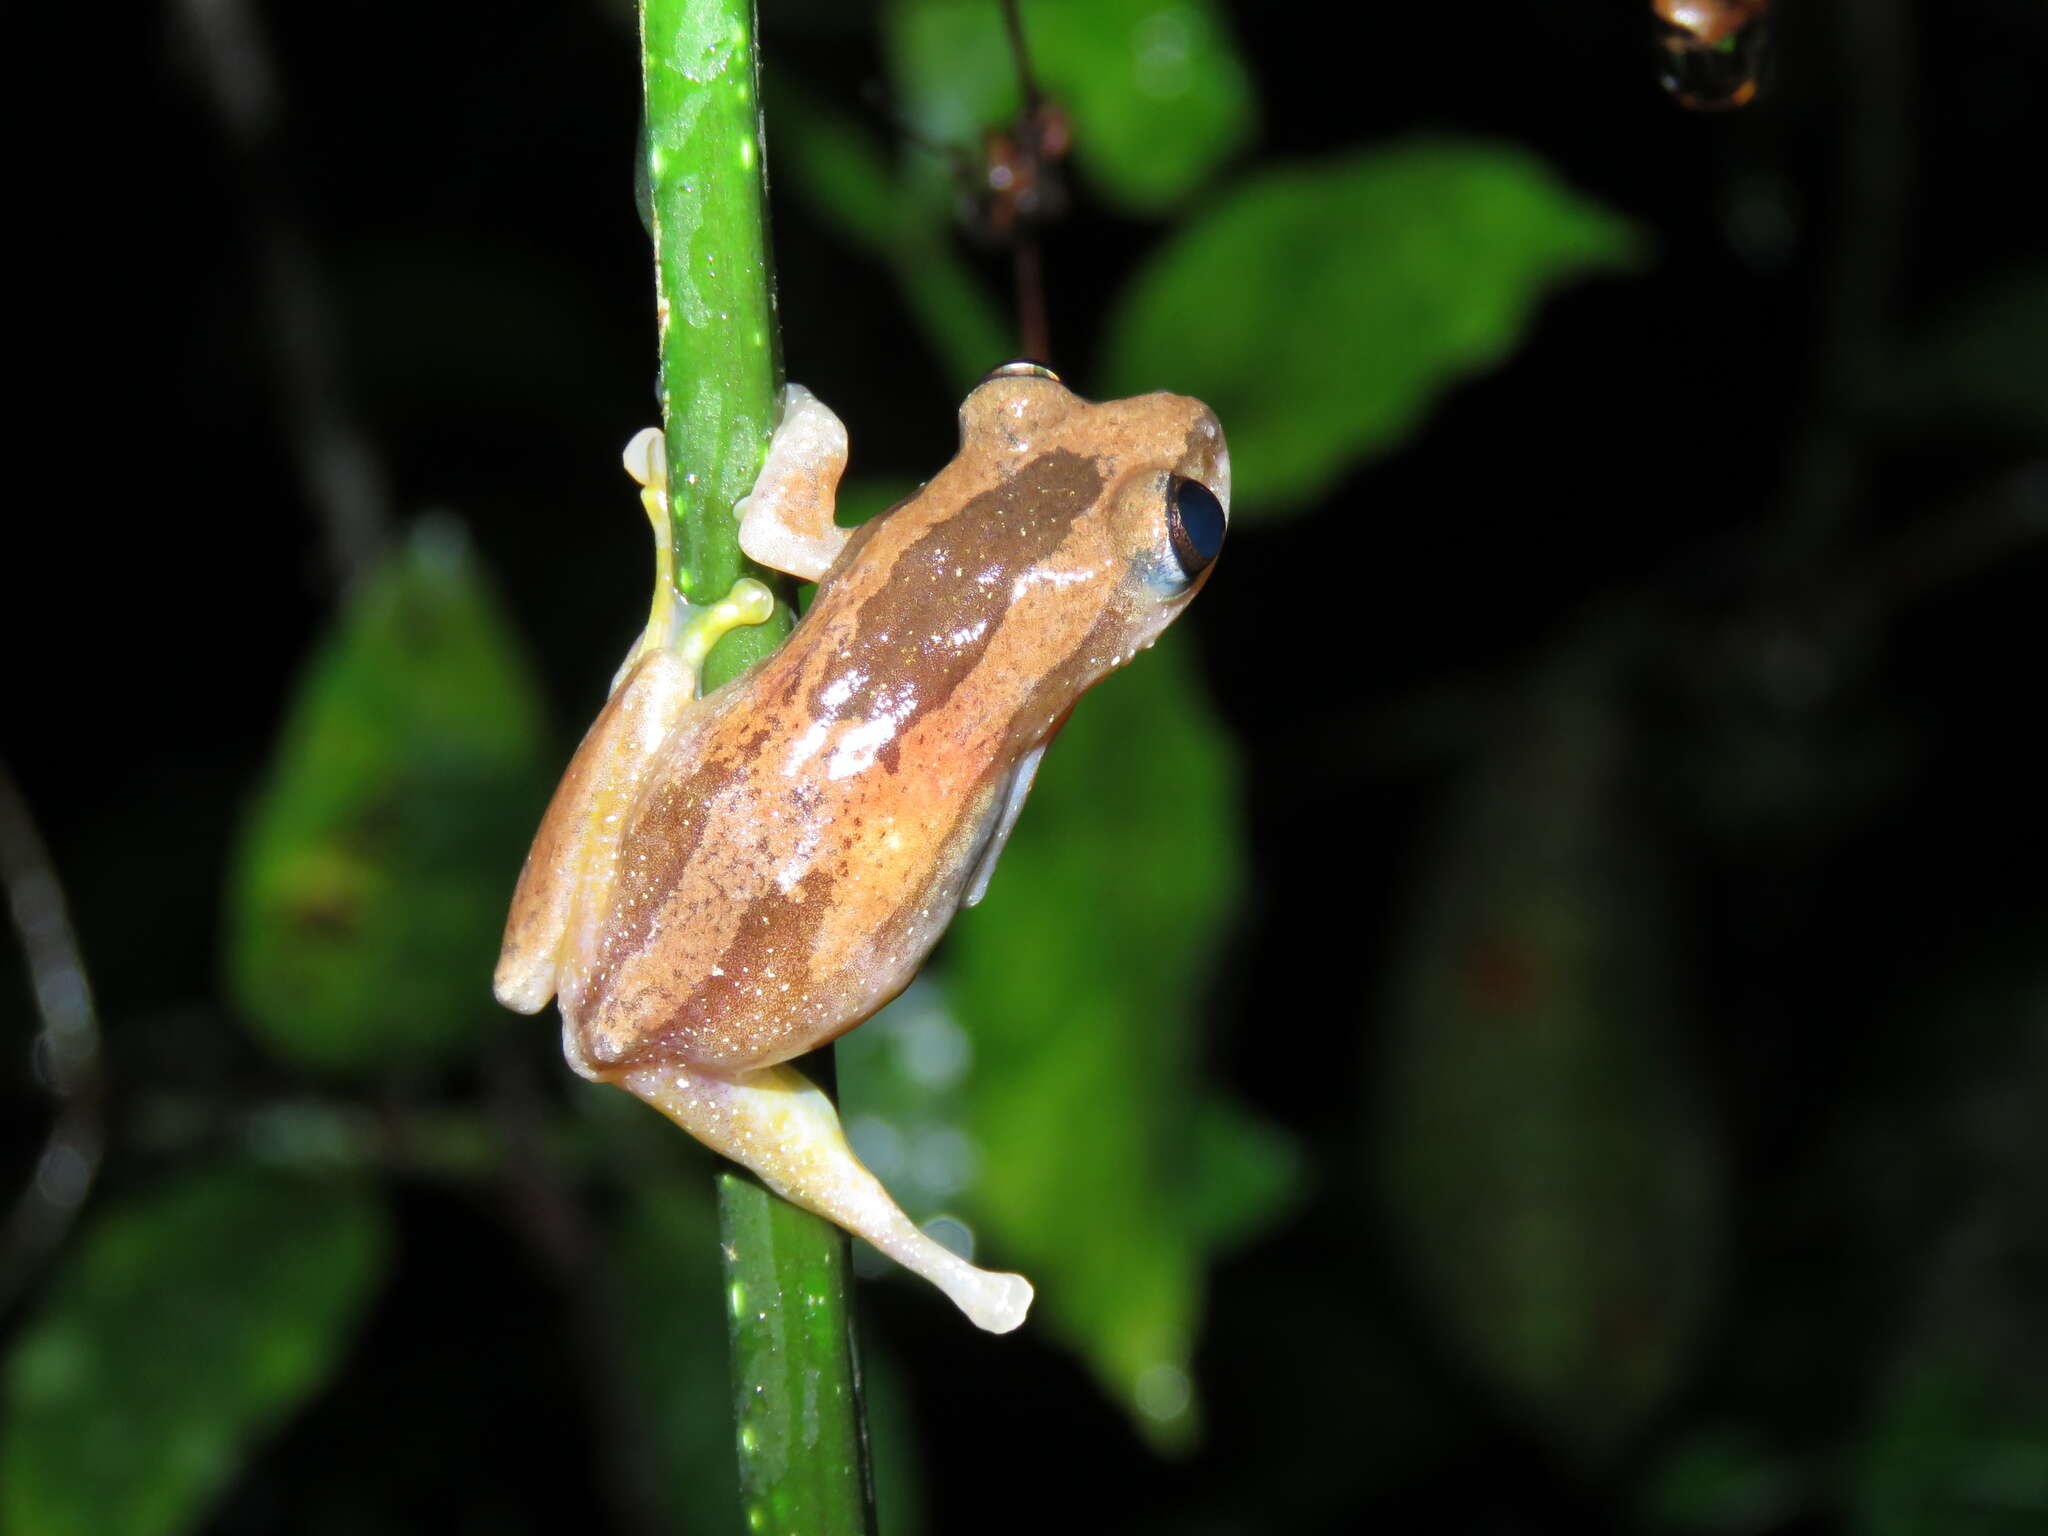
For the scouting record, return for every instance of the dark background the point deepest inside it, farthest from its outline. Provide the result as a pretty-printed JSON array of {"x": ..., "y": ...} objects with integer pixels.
[{"x": 1839, "y": 769}]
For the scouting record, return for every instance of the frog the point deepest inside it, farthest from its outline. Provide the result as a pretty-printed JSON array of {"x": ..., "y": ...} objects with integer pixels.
[{"x": 724, "y": 882}]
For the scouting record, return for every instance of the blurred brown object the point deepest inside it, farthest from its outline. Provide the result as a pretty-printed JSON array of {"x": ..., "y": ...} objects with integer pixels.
[{"x": 1712, "y": 50}]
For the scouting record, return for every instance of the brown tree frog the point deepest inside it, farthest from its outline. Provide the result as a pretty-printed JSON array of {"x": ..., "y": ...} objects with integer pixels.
[{"x": 722, "y": 883}]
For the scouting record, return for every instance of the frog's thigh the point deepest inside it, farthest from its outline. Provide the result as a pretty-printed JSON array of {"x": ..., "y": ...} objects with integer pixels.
[
  {"x": 775, "y": 1122},
  {"x": 786, "y": 521},
  {"x": 578, "y": 840}
]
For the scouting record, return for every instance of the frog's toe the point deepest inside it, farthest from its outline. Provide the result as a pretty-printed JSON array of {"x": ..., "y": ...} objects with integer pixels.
[
  {"x": 995, "y": 1302},
  {"x": 524, "y": 982},
  {"x": 647, "y": 457}
]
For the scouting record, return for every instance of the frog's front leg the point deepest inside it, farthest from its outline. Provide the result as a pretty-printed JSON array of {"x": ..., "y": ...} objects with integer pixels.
[
  {"x": 786, "y": 522},
  {"x": 786, "y": 519},
  {"x": 777, "y": 1123}
]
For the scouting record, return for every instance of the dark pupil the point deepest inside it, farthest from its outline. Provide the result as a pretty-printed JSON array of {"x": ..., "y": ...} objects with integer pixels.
[{"x": 1194, "y": 519}]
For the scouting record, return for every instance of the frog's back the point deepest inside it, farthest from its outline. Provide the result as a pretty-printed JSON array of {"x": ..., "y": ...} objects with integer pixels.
[
  {"x": 763, "y": 907},
  {"x": 784, "y": 879}
]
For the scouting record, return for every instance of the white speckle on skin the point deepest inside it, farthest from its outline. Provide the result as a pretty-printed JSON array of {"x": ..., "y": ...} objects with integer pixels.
[
  {"x": 965, "y": 636},
  {"x": 806, "y": 746},
  {"x": 857, "y": 748},
  {"x": 1047, "y": 576}
]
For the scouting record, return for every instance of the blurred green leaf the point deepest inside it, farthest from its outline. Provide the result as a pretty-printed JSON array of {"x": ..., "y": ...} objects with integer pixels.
[
  {"x": 1334, "y": 1404},
  {"x": 892, "y": 1442},
  {"x": 1321, "y": 309},
  {"x": 1552, "y": 1183},
  {"x": 671, "y": 1332},
  {"x": 371, "y": 884},
  {"x": 864, "y": 496},
  {"x": 1081, "y": 982},
  {"x": 905, "y": 223},
  {"x": 1724, "y": 1480},
  {"x": 1956, "y": 1437},
  {"x": 186, "y": 1325},
  {"x": 1242, "y": 1173},
  {"x": 1982, "y": 360},
  {"x": 903, "y": 1091},
  {"x": 1958, "y": 1447},
  {"x": 836, "y": 165},
  {"x": 1156, "y": 93}
]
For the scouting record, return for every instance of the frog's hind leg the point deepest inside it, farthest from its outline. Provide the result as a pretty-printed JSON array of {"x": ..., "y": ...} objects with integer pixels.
[
  {"x": 575, "y": 852},
  {"x": 774, "y": 1121}
]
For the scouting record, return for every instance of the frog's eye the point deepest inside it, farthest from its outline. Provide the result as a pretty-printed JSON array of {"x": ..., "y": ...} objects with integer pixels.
[{"x": 1194, "y": 524}]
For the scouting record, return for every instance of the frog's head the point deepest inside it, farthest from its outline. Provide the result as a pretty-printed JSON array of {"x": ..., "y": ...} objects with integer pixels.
[{"x": 1141, "y": 485}]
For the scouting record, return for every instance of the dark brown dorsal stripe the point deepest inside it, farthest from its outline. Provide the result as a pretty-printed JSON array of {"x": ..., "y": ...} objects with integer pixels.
[{"x": 934, "y": 589}]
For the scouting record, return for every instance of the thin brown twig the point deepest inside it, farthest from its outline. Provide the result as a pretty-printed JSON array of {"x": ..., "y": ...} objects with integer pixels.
[
  {"x": 67, "y": 1049},
  {"x": 1034, "y": 326},
  {"x": 337, "y": 463},
  {"x": 1874, "y": 175},
  {"x": 1034, "y": 338}
]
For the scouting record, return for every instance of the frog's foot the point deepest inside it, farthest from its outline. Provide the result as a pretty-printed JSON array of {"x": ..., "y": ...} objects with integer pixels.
[
  {"x": 786, "y": 520},
  {"x": 775, "y": 1122}
]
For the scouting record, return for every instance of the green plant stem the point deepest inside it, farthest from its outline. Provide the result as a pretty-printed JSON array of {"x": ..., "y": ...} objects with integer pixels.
[
  {"x": 796, "y": 1383},
  {"x": 714, "y": 300},
  {"x": 796, "y": 1379}
]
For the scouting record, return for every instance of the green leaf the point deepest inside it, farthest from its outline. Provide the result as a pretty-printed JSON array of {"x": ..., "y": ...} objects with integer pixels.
[
  {"x": 1958, "y": 1447},
  {"x": 905, "y": 223},
  {"x": 187, "y": 1324},
  {"x": 372, "y": 881},
  {"x": 1724, "y": 1479},
  {"x": 1156, "y": 93},
  {"x": 1553, "y": 1185},
  {"x": 900, "y": 1478},
  {"x": 1955, "y": 1440},
  {"x": 903, "y": 1095},
  {"x": 1982, "y": 361},
  {"x": 864, "y": 496},
  {"x": 1103, "y": 1172},
  {"x": 1242, "y": 1173},
  {"x": 672, "y": 1337},
  {"x": 1321, "y": 309},
  {"x": 835, "y": 165}
]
